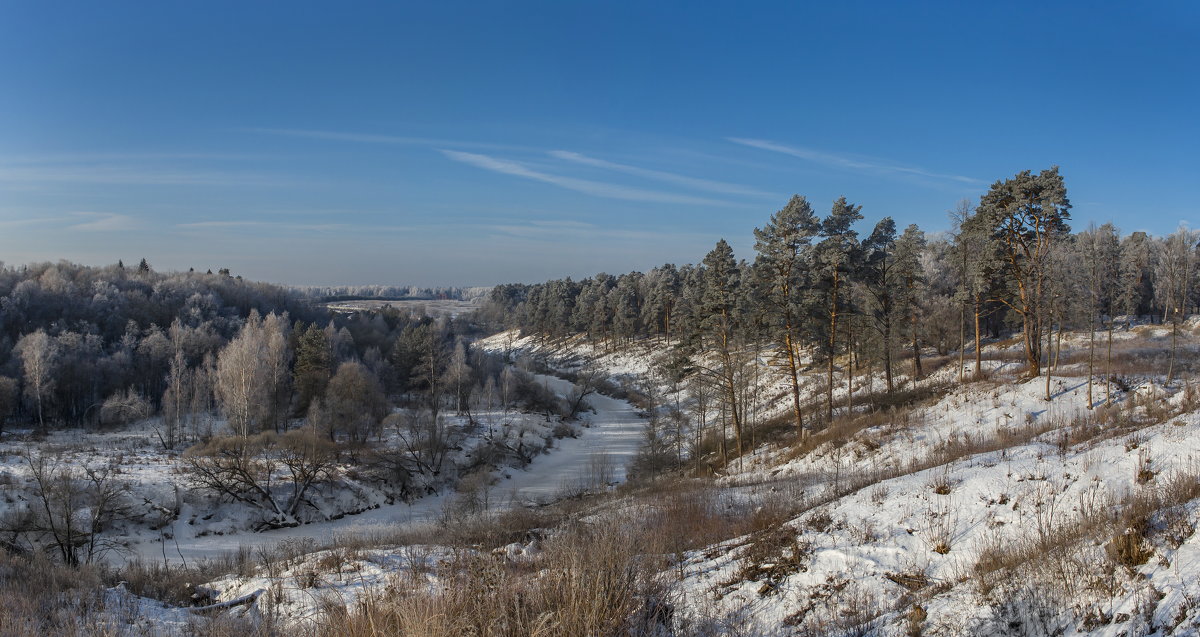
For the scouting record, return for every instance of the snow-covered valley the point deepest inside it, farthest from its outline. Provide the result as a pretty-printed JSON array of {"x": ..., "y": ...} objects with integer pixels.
[{"x": 975, "y": 508}]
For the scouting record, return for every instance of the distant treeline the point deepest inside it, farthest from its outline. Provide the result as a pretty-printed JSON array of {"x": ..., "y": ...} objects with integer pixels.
[
  {"x": 390, "y": 293},
  {"x": 73, "y": 335},
  {"x": 82, "y": 345}
]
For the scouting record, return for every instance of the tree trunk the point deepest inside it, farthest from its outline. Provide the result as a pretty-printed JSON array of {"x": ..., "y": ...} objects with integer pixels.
[
  {"x": 724, "y": 436},
  {"x": 850, "y": 369},
  {"x": 794, "y": 377},
  {"x": 41, "y": 420},
  {"x": 962, "y": 342},
  {"x": 1174, "y": 345},
  {"x": 1091, "y": 355},
  {"x": 1049, "y": 350},
  {"x": 833, "y": 316},
  {"x": 1108, "y": 364},
  {"x": 1033, "y": 345},
  {"x": 916, "y": 346},
  {"x": 978, "y": 348},
  {"x": 887, "y": 354}
]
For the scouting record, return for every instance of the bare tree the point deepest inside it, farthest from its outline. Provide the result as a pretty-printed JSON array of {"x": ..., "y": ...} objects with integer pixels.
[
  {"x": 427, "y": 440},
  {"x": 271, "y": 472},
  {"x": 587, "y": 380},
  {"x": 70, "y": 506},
  {"x": 176, "y": 398},
  {"x": 458, "y": 376},
  {"x": 355, "y": 402},
  {"x": 242, "y": 378},
  {"x": 39, "y": 357},
  {"x": 203, "y": 380},
  {"x": 124, "y": 407},
  {"x": 1099, "y": 248},
  {"x": 1173, "y": 283},
  {"x": 278, "y": 359}
]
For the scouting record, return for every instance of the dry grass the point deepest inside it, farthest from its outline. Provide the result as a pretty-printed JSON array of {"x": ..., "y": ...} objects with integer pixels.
[
  {"x": 589, "y": 580},
  {"x": 41, "y": 597},
  {"x": 1062, "y": 551}
]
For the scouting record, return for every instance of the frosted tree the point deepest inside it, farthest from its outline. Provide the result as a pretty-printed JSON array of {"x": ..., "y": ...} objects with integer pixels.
[
  {"x": 911, "y": 277},
  {"x": 354, "y": 402},
  {"x": 176, "y": 399},
  {"x": 459, "y": 377},
  {"x": 835, "y": 259},
  {"x": 242, "y": 382},
  {"x": 39, "y": 359},
  {"x": 1174, "y": 281},
  {"x": 658, "y": 310},
  {"x": 878, "y": 276},
  {"x": 1136, "y": 285},
  {"x": 1099, "y": 253},
  {"x": 784, "y": 248},
  {"x": 203, "y": 390},
  {"x": 278, "y": 359},
  {"x": 721, "y": 282}
]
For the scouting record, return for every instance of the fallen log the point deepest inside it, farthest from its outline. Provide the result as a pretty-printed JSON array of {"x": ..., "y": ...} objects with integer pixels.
[{"x": 244, "y": 600}]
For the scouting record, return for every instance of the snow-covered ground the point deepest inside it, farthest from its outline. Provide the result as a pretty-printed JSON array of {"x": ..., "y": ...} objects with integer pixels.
[
  {"x": 979, "y": 508},
  {"x": 984, "y": 510},
  {"x": 607, "y": 438}
]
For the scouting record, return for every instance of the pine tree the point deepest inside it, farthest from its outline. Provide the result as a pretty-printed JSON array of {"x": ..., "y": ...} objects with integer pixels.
[
  {"x": 1026, "y": 215},
  {"x": 835, "y": 259},
  {"x": 910, "y": 276},
  {"x": 720, "y": 325},
  {"x": 977, "y": 260},
  {"x": 784, "y": 248},
  {"x": 313, "y": 369},
  {"x": 879, "y": 278}
]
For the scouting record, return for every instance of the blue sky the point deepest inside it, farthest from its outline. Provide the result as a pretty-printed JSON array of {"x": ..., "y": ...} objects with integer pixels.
[{"x": 478, "y": 143}]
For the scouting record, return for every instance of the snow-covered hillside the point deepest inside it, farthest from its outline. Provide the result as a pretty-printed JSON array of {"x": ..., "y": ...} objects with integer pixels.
[{"x": 962, "y": 507}]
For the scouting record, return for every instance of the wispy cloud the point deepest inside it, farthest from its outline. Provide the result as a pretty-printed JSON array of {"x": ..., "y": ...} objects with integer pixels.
[
  {"x": 101, "y": 222},
  {"x": 90, "y": 158},
  {"x": 219, "y": 225},
  {"x": 29, "y": 221},
  {"x": 577, "y": 230},
  {"x": 853, "y": 163},
  {"x": 130, "y": 175},
  {"x": 371, "y": 138},
  {"x": 681, "y": 180},
  {"x": 586, "y": 186}
]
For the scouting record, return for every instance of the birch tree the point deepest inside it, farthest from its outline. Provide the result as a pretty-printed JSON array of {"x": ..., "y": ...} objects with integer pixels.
[
  {"x": 39, "y": 358},
  {"x": 1099, "y": 251},
  {"x": 242, "y": 382},
  {"x": 1174, "y": 280}
]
